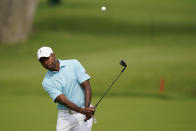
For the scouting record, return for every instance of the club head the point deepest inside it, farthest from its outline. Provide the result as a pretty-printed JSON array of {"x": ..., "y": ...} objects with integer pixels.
[{"x": 122, "y": 62}]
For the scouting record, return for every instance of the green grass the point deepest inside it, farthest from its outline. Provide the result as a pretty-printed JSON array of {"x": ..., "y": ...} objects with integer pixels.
[
  {"x": 155, "y": 38},
  {"x": 138, "y": 114},
  {"x": 114, "y": 113}
]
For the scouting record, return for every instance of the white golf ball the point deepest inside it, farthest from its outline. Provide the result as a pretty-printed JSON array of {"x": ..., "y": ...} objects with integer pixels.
[{"x": 103, "y": 8}]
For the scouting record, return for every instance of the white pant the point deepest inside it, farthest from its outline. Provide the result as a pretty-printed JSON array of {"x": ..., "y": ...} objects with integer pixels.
[{"x": 72, "y": 121}]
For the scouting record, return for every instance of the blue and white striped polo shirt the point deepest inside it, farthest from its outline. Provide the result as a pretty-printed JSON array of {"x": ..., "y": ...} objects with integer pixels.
[{"x": 66, "y": 81}]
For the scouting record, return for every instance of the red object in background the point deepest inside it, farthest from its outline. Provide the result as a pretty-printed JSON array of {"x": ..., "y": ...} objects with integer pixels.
[{"x": 162, "y": 86}]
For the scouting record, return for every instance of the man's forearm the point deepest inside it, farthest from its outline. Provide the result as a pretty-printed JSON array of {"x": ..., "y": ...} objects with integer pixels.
[
  {"x": 87, "y": 92},
  {"x": 86, "y": 111},
  {"x": 87, "y": 97},
  {"x": 63, "y": 100}
]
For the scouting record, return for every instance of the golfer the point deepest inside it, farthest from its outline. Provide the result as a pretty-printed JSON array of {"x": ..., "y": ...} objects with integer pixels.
[{"x": 67, "y": 83}]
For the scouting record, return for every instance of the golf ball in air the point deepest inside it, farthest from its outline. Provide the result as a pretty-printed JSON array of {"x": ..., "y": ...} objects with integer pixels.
[{"x": 103, "y": 8}]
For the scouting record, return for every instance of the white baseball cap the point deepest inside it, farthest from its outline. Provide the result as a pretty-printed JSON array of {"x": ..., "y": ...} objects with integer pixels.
[{"x": 44, "y": 52}]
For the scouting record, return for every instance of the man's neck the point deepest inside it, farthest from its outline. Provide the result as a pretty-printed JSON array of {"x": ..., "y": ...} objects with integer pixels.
[{"x": 57, "y": 66}]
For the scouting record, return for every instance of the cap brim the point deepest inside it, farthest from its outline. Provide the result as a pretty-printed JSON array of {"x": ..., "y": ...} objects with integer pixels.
[{"x": 44, "y": 56}]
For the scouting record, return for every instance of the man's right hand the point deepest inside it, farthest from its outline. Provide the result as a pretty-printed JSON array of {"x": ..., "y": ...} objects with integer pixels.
[{"x": 88, "y": 112}]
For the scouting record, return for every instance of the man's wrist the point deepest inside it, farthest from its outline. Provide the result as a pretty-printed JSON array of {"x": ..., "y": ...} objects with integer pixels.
[
  {"x": 82, "y": 110},
  {"x": 87, "y": 105}
]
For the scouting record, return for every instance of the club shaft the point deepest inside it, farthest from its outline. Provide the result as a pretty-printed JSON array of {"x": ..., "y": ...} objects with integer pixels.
[{"x": 108, "y": 89}]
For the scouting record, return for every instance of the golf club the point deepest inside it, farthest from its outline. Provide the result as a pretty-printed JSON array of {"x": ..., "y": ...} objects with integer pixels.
[{"x": 122, "y": 63}]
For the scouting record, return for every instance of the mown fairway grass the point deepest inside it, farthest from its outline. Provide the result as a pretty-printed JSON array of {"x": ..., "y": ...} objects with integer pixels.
[
  {"x": 115, "y": 113},
  {"x": 155, "y": 38}
]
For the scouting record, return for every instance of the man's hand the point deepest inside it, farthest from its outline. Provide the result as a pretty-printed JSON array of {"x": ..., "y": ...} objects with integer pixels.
[{"x": 88, "y": 112}]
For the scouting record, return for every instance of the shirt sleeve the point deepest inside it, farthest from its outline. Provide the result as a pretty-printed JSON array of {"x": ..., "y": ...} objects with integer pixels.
[
  {"x": 80, "y": 72},
  {"x": 51, "y": 89}
]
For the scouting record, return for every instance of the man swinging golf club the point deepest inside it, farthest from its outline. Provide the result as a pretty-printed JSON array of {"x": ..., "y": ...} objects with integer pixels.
[{"x": 67, "y": 83}]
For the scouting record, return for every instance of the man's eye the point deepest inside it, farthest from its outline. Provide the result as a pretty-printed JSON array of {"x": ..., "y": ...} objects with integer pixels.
[
  {"x": 41, "y": 61},
  {"x": 44, "y": 59}
]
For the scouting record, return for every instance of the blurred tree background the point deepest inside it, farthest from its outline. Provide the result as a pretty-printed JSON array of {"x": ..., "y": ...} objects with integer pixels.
[
  {"x": 54, "y": 2},
  {"x": 16, "y": 19}
]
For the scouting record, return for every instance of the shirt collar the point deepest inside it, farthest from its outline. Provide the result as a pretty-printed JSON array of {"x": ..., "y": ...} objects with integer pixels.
[{"x": 62, "y": 64}]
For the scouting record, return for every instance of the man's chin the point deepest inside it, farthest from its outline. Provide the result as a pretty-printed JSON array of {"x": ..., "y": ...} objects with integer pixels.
[{"x": 50, "y": 68}]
